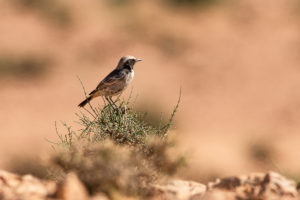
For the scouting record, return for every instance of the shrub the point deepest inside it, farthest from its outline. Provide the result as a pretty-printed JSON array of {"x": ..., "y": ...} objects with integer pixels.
[{"x": 116, "y": 150}]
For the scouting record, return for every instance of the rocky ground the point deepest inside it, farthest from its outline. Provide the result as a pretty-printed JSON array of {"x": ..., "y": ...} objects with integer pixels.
[
  {"x": 255, "y": 186},
  {"x": 237, "y": 64}
]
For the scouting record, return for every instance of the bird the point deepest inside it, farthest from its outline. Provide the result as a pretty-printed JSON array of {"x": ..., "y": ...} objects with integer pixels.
[{"x": 115, "y": 82}]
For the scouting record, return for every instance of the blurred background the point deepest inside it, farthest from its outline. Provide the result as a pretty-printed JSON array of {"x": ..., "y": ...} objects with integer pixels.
[{"x": 237, "y": 62}]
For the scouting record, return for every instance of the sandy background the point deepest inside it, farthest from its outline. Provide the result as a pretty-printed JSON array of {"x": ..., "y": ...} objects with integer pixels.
[{"x": 237, "y": 62}]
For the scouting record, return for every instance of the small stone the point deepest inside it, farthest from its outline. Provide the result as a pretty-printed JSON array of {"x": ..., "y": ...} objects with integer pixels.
[
  {"x": 72, "y": 189},
  {"x": 269, "y": 186},
  {"x": 180, "y": 190},
  {"x": 99, "y": 196},
  {"x": 26, "y": 187}
]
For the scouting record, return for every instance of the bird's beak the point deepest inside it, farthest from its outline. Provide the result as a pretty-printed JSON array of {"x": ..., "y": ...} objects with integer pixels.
[{"x": 138, "y": 60}]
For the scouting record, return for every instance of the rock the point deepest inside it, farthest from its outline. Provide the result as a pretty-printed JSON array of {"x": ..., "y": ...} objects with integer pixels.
[
  {"x": 27, "y": 187},
  {"x": 72, "y": 189},
  {"x": 179, "y": 190},
  {"x": 256, "y": 186},
  {"x": 270, "y": 186},
  {"x": 14, "y": 187},
  {"x": 99, "y": 197},
  {"x": 221, "y": 195}
]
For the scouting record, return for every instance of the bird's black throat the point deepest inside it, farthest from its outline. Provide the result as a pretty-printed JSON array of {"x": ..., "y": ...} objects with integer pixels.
[{"x": 128, "y": 67}]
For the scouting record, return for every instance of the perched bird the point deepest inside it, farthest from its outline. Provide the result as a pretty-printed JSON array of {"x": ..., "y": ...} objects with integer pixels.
[{"x": 115, "y": 82}]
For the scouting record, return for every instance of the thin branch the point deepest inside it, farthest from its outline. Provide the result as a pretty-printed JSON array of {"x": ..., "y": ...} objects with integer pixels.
[
  {"x": 85, "y": 94},
  {"x": 167, "y": 126}
]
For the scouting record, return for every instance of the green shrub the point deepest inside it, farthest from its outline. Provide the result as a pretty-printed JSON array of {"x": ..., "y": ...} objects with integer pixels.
[{"x": 116, "y": 150}]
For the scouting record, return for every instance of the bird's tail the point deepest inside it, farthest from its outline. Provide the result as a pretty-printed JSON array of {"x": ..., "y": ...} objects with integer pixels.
[{"x": 88, "y": 99}]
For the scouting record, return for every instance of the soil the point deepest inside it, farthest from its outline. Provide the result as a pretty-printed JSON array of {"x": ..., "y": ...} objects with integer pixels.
[{"x": 237, "y": 63}]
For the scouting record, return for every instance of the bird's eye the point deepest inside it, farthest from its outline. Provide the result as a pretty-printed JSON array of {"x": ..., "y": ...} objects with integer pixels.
[{"x": 129, "y": 62}]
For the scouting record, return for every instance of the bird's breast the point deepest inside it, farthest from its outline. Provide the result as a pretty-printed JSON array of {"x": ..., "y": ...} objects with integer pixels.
[{"x": 130, "y": 77}]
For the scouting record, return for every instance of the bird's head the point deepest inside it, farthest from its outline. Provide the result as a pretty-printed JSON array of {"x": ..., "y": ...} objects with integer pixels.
[{"x": 127, "y": 62}]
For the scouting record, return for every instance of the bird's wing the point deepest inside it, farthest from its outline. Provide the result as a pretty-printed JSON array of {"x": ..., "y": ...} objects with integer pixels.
[{"x": 112, "y": 78}]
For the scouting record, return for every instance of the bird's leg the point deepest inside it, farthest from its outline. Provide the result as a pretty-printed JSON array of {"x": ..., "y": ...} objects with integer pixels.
[
  {"x": 106, "y": 104},
  {"x": 110, "y": 102},
  {"x": 122, "y": 108},
  {"x": 107, "y": 99},
  {"x": 113, "y": 102}
]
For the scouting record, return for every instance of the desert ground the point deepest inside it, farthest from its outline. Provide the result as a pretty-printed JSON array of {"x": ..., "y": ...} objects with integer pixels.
[{"x": 237, "y": 63}]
